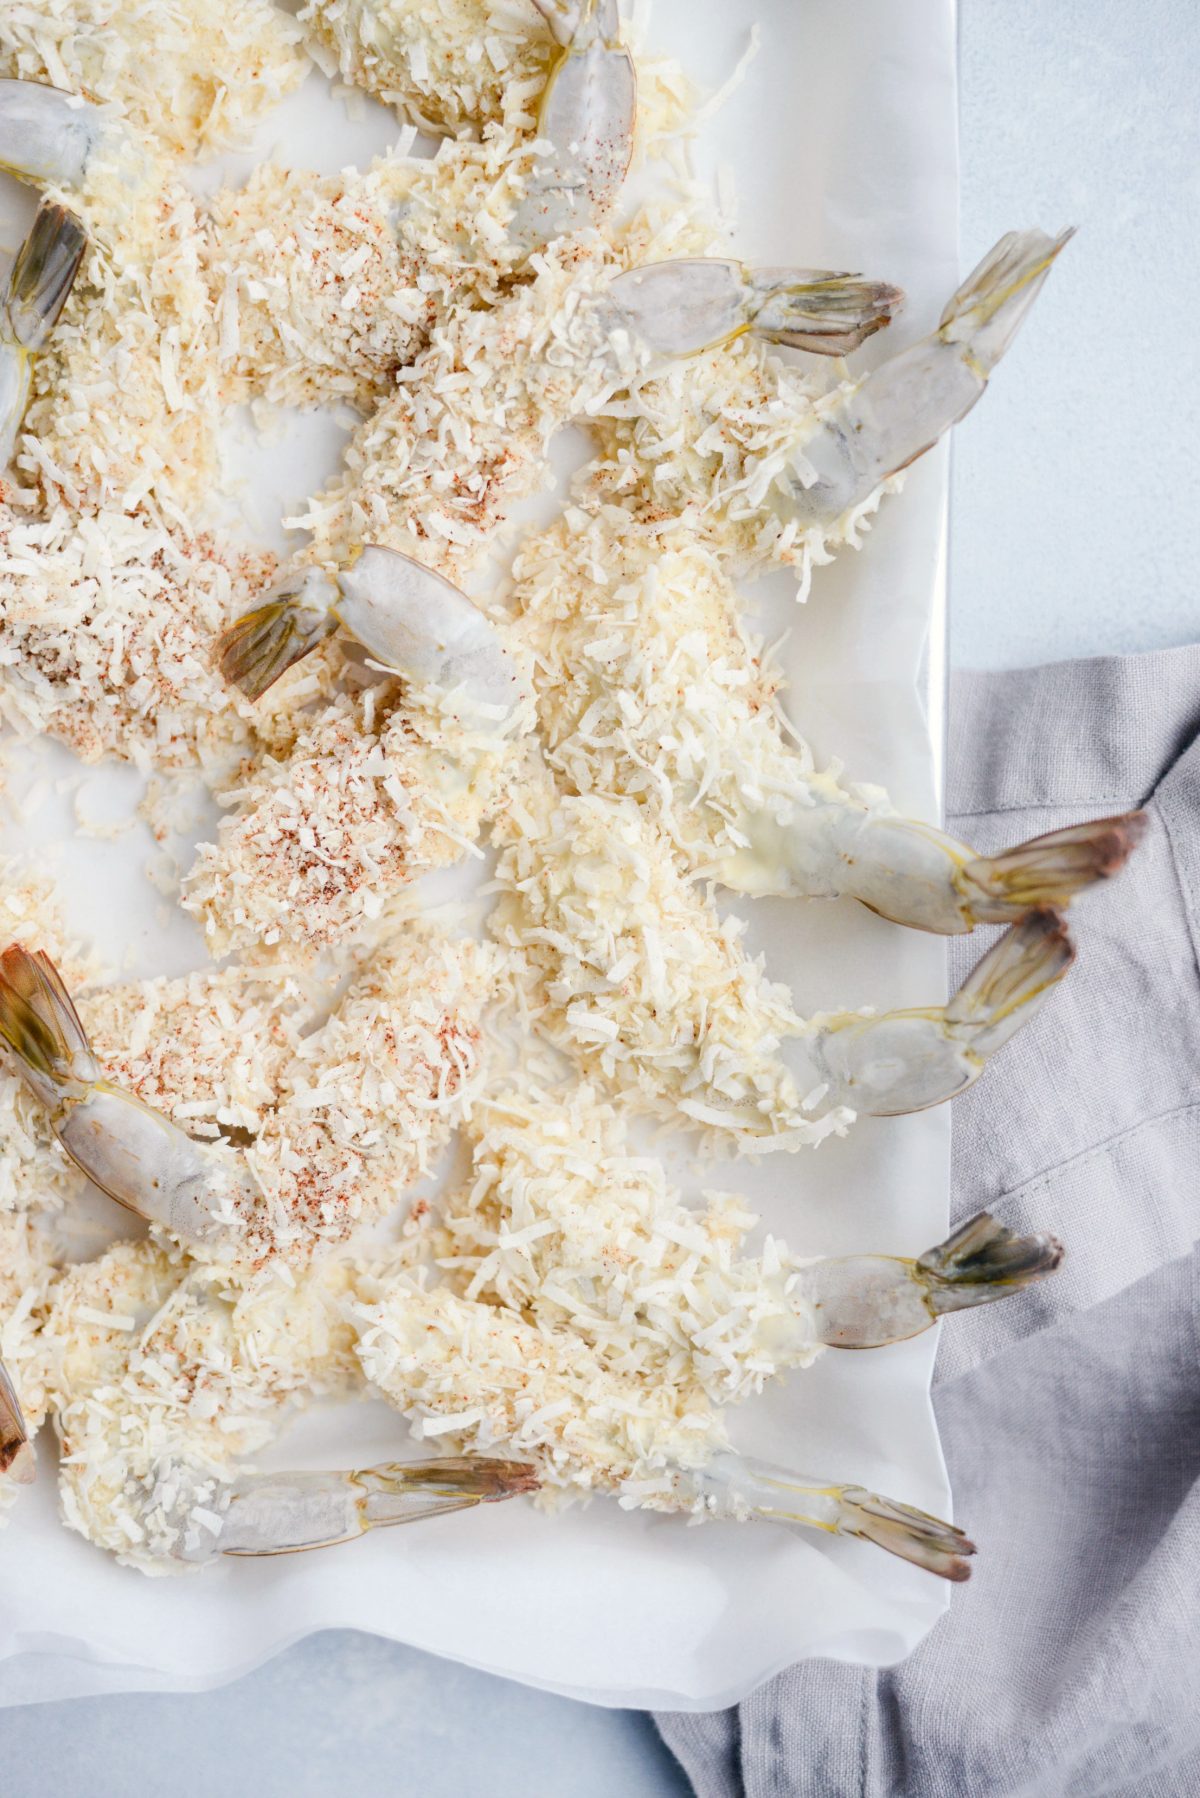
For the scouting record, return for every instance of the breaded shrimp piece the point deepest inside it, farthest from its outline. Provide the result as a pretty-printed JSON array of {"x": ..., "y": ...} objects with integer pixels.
[
  {"x": 124, "y": 396},
  {"x": 486, "y": 1376},
  {"x": 169, "y": 1376},
  {"x": 636, "y": 976},
  {"x": 214, "y": 70},
  {"x": 564, "y": 1224},
  {"x": 107, "y": 622},
  {"x": 781, "y": 463},
  {"x": 28, "y": 1271},
  {"x": 209, "y": 1050},
  {"x": 363, "y": 1104},
  {"x": 649, "y": 686},
  {"x": 378, "y": 788},
  {"x": 597, "y": 1326},
  {"x": 451, "y": 68},
  {"x": 369, "y": 1099},
  {"x": 435, "y": 471},
  {"x": 326, "y": 285}
]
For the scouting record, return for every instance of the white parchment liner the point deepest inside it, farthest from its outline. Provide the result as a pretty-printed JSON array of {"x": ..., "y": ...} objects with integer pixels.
[{"x": 842, "y": 145}]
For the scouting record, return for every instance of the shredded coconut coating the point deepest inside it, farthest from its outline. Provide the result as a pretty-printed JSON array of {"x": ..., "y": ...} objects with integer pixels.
[
  {"x": 318, "y": 299},
  {"x": 198, "y": 74},
  {"x": 370, "y": 1098},
  {"x": 168, "y": 1377},
  {"x": 326, "y": 285},
  {"x": 435, "y": 471},
  {"x": 719, "y": 438},
  {"x": 562, "y": 1223},
  {"x": 378, "y": 788},
  {"x": 637, "y": 978},
  {"x": 451, "y": 65},
  {"x": 491, "y": 1382},
  {"x": 319, "y": 1123},
  {"x": 209, "y": 1050},
  {"x": 437, "y": 468},
  {"x": 593, "y": 1322},
  {"x": 650, "y": 687},
  {"x": 35, "y": 1173},
  {"x": 462, "y": 66},
  {"x": 27, "y": 1275},
  {"x": 107, "y": 624},
  {"x": 124, "y": 398}
]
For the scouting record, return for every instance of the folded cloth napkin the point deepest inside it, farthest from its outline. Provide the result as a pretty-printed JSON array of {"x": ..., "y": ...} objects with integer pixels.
[{"x": 1070, "y": 1415}]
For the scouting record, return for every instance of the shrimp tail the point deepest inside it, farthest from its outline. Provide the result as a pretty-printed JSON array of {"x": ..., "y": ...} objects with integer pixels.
[
  {"x": 1049, "y": 870},
  {"x": 743, "y": 1486},
  {"x": 40, "y": 1024},
  {"x": 16, "y": 1450},
  {"x": 828, "y": 315},
  {"x": 284, "y": 1513},
  {"x": 43, "y": 274},
  {"x": 695, "y": 303},
  {"x": 1002, "y": 991},
  {"x": 903, "y": 1530},
  {"x": 982, "y": 1261},
  {"x": 990, "y": 307},
  {"x": 264, "y": 643}
]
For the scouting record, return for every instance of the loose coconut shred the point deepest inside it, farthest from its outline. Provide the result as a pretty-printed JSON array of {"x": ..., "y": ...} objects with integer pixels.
[{"x": 565, "y": 1303}]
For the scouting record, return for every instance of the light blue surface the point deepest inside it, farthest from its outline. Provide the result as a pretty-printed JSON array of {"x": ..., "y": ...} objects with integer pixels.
[
  {"x": 1076, "y": 480},
  {"x": 1074, "y": 494}
]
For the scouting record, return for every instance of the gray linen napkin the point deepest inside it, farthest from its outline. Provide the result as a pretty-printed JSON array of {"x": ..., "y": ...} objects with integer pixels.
[{"x": 1070, "y": 1665}]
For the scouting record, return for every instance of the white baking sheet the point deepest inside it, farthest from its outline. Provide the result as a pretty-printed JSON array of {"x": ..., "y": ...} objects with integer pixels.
[{"x": 842, "y": 142}]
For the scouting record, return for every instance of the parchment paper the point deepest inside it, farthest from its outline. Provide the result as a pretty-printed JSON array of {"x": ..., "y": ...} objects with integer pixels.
[{"x": 843, "y": 148}]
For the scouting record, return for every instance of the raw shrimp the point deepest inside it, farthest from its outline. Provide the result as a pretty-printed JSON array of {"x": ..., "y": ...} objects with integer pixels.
[
  {"x": 466, "y": 66},
  {"x": 363, "y": 1104},
  {"x": 411, "y": 622},
  {"x": 106, "y": 629},
  {"x": 571, "y": 100},
  {"x": 633, "y": 974},
  {"x": 326, "y": 286},
  {"x": 36, "y": 292},
  {"x": 453, "y": 69},
  {"x": 123, "y": 402},
  {"x": 563, "y": 1223},
  {"x": 493, "y": 1381},
  {"x": 597, "y": 1326},
  {"x": 171, "y": 1378},
  {"x": 214, "y": 70},
  {"x": 377, "y": 789},
  {"x": 379, "y": 786},
  {"x": 648, "y": 685},
  {"x": 773, "y": 463}
]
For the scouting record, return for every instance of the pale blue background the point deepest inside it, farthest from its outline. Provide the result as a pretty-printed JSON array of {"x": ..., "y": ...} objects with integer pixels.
[{"x": 1075, "y": 495}]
